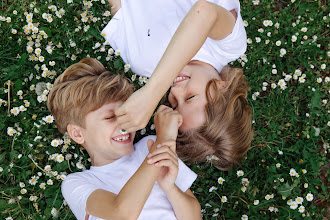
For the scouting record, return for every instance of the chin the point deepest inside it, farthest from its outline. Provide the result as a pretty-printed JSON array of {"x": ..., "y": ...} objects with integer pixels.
[{"x": 129, "y": 150}]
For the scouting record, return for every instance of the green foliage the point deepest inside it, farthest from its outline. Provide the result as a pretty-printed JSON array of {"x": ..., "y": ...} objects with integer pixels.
[{"x": 288, "y": 49}]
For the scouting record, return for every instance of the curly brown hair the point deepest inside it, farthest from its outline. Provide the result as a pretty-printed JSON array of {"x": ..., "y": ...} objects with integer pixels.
[
  {"x": 227, "y": 132},
  {"x": 82, "y": 88}
]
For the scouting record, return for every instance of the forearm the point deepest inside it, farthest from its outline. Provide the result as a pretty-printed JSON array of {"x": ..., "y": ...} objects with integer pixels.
[
  {"x": 203, "y": 20},
  {"x": 136, "y": 191},
  {"x": 184, "y": 206}
]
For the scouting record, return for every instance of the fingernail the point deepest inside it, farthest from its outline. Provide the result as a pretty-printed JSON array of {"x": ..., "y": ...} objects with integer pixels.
[
  {"x": 158, "y": 146},
  {"x": 149, "y": 155},
  {"x": 149, "y": 161},
  {"x": 156, "y": 164}
]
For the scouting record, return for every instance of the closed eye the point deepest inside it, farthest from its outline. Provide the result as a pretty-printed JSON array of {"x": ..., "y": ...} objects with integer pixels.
[
  {"x": 190, "y": 98},
  {"x": 109, "y": 118}
]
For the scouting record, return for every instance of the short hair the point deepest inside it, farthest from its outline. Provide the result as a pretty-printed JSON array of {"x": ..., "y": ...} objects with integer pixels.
[
  {"x": 227, "y": 132},
  {"x": 82, "y": 88}
]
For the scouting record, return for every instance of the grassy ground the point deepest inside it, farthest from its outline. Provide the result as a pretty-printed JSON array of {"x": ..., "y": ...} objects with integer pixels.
[{"x": 285, "y": 174}]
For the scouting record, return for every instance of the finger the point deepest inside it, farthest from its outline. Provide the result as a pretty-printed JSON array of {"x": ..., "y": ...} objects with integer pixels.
[
  {"x": 129, "y": 127},
  {"x": 160, "y": 150},
  {"x": 168, "y": 163},
  {"x": 163, "y": 108},
  {"x": 123, "y": 119},
  {"x": 170, "y": 143},
  {"x": 121, "y": 110},
  {"x": 179, "y": 117},
  {"x": 163, "y": 156},
  {"x": 180, "y": 120},
  {"x": 150, "y": 142}
]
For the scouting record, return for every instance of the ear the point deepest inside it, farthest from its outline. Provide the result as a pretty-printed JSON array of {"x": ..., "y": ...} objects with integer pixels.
[
  {"x": 222, "y": 84},
  {"x": 75, "y": 133}
]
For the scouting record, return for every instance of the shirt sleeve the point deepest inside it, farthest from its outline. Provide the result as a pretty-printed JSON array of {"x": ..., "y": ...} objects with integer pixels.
[
  {"x": 76, "y": 190},
  {"x": 235, "y": 42},
  {"x": 185, "y": 178},
  {"x": 113, "y": 31}
]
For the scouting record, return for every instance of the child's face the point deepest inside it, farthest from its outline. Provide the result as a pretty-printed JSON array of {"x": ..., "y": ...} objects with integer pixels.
[
  {"x": 188, "y": 95},
  {"x": 102, "y": 135}
]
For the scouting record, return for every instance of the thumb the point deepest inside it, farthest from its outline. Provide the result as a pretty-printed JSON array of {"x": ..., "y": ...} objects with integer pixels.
[
  {"x": 180, "y": 120},
  {"x": 150, "y": 143}
]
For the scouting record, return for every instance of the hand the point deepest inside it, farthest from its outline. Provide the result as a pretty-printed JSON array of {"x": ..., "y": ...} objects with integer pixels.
[
  {"x": 165, "y": 157},
  {"x": 167, "y": 122},
  {"x": 135, "y": 113}
]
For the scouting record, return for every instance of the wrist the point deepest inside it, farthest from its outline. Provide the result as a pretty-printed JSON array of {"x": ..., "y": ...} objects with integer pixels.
[
  {"x": 170, "y": 190},
  {"x": 157, "y": 87},
  {"x": 161, "y": 139}
]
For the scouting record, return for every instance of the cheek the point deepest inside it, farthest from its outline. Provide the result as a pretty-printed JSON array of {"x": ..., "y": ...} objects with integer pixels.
[{"x": 194, "y": 116}]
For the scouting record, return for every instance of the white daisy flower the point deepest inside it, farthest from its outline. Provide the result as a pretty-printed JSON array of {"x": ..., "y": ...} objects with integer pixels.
[
  {"x": 15, "y": 111},
  {"x": 299, "y": 200},
  {"x": 294, "y": 38},
  {"x": 11, "y": 131},
  {"x": 292, "y": 172},
  {"x": 54, "y": 212},
  {"x": 304, "y": 29},
  {"x": 49, "y": 119},
  {"x": 301, "y": 209},
  {"x": 221, "y": 180},
  {"x": 244, "y": 217},
  {"x": 212, "y": 189},
  {"x": 309, "y": 197},
  {"x": 293, "y": 205},
  {"x": 240, "y": 173},
  {"x": 60, "y": 158}
]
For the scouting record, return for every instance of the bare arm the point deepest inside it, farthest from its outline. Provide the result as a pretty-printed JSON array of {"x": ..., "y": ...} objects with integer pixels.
[
  {"x": 204, "y": 19},
  {"x": 185, "y": 204},
  {"x": 129, "y": 202}
]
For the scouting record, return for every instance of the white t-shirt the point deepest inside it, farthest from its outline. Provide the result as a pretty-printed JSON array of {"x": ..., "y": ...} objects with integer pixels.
[
  {"x": 141, "y": 31},
  {"x": 77, "y": 187}
]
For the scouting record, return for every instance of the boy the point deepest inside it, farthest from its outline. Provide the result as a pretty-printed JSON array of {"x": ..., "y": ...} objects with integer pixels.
[{"x": 121, "y": 181}]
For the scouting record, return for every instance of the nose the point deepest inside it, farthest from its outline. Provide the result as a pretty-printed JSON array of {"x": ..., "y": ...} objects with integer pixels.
[{"x": 177, "y": 92}]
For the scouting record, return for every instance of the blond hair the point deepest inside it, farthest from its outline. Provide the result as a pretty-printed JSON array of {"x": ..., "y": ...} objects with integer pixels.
[
  {"x": 228, "y": 131},
  {"x": 82, "y": 88}
]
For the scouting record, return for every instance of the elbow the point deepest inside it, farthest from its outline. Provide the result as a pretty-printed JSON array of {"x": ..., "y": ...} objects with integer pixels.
[
  {"x": 206, "y": 8},
  {"x": 203, "y": 6},
  {"x": 198, "y": 211},
  {"x": 121, "y": 212}
]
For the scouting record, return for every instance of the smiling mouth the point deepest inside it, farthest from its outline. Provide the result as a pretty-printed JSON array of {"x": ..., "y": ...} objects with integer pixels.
[
  {"x": 124, "y": 138},
  {"x": 180, "y": 79}
]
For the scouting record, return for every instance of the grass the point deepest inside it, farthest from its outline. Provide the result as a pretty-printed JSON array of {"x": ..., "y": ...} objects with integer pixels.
[{"x": 291, "y": 121}]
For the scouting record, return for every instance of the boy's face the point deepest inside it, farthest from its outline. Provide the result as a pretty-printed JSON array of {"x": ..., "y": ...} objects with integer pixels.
[
  {"x": 102, "y": 137},
  {"x": 188, "y": 95}
]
